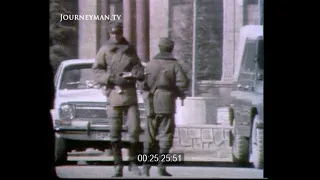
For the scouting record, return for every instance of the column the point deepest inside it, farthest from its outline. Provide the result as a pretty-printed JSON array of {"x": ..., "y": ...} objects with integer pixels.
[
  {"x": 87, "y": 30},
  {"x": 105, "y": 10},
  {"x": 229, "y": 30},
  {"x": 142, "y": 29},
  {"x": 128, "y": 20},
  {"x": 238, "y": 24}
]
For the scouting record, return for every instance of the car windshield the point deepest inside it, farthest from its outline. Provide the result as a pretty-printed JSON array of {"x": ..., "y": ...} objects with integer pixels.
[
  {"x": 77, "y": 77},
  {"x": 261, "y": 54},
  {"x": 248, "y": 63}
]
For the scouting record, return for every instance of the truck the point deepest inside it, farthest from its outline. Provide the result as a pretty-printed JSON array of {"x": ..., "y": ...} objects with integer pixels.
[
  {"x": 80, "y": 111},
  {"x": 246, "y": 109}
]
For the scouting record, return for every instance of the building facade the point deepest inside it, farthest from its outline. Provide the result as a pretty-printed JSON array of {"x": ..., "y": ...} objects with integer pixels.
[{"x": 216, "y": 25}]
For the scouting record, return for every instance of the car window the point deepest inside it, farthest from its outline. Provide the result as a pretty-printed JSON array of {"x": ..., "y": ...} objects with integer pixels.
[
  {"x": 248, "y": 63},
  {"x": 77, "y": 77},
  {"x": 260, "y": 53}
]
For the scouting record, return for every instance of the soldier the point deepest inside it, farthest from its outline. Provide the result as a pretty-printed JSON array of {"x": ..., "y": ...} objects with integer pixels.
[
  {"x": 113, "y": 60},
  {"x": 165, "y": 81}
]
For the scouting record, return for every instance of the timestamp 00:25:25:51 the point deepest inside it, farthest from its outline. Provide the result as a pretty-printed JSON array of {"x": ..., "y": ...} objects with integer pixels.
[{"x": 155, "y": 158}]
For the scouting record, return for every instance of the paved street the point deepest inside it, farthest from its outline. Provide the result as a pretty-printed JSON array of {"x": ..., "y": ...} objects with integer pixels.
[
  {"x": 177, "y": 172},
  {"x": 100, "y": 166}
]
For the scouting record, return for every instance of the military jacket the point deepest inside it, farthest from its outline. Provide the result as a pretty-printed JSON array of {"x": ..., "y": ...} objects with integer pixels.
[
  {"x": 164, "y": 98},
  {"x": 114, "y": 59}
]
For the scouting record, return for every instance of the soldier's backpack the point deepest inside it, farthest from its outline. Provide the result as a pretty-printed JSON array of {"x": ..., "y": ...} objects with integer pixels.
[{"x": 165, "y": 78}]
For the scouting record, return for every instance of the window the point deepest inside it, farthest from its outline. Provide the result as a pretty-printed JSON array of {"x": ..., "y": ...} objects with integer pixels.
[
  {"x": 260, "y": 53},
  {"x": 248, "y": 62}
]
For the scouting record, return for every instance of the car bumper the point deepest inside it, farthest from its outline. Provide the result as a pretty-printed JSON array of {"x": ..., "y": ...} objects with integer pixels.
[{"x": 92, "y": 133}]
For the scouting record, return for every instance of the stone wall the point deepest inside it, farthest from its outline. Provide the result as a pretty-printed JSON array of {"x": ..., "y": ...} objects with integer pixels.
[
  {"x": 203, "y": 138},
  {"x": 205, "y": 108},
  {"x": 196, "y": 110}
]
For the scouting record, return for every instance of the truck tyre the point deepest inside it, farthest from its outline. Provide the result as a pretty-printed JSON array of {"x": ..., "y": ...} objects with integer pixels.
[
  {"x": 240, "y": 149},
  {"x": 60, "y": 151},
  {"x": 257, "y": 147}
]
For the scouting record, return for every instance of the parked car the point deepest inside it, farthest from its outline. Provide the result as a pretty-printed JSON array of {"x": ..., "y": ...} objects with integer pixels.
[
  {"x": 247, "y": 101},
  {"x": 79, "y": 114}
]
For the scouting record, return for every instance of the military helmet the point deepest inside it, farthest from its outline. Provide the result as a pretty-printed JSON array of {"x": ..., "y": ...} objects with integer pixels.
[
  {"x": 166, "y": 44},
  {"x": 115, "y": 27}
]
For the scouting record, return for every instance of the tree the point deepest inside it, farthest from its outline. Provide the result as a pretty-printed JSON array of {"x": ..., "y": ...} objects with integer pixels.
[
  {"x": 208, "y": 38},
  {"x": 60, "y": 35}
]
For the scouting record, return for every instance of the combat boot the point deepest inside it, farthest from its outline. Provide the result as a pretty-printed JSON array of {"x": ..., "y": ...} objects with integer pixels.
[
  {"x": 117, "y": 156},
  {"x": 161, "y": 167},
  {"x": 133, "y": 167},
  {"x": 162, "y": 171},
  {"x": 148, "y": 148},
  {"x": 118, "y": 171},
  {"x": 146, "y": 170}
]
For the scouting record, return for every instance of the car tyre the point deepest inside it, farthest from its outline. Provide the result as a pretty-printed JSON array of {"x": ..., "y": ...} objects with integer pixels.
[
  {"x": 240, "y": 148},
  {"x": 257, "y": 146},
  {"x": 60, "y": 151}
]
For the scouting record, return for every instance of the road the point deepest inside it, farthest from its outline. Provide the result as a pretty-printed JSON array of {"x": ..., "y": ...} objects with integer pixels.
[
  {"x": 100, "y": 166},
  {"x": 103, "y": 171}
]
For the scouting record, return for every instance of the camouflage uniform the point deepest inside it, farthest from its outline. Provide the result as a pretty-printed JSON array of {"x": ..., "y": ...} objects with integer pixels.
[
  {"x": 164, "y": 92},
  {"x": 113, "y": 59}
]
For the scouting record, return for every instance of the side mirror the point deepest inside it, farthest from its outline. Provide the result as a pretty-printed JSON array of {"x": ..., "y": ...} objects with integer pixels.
[{"x": 260, "y": 52}]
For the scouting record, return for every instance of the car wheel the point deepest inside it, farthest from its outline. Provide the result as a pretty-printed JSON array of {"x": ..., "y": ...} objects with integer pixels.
[
  {"x": 240, "y": 148},
  {"x": 257, "y": 146},
  {"x": 60, "y": 151}
]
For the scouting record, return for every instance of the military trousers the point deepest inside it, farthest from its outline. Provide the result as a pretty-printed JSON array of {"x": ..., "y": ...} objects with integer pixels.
[
  {"x": 116, "y": 115},
  {"x": 163, "y": 126}
]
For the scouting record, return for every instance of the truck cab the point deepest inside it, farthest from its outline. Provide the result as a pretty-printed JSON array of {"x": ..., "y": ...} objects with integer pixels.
[{"x": 247, "y": 100}]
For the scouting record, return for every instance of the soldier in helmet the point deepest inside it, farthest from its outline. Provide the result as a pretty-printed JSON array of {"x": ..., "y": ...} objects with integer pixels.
[
  {"x": 165, "y": 81},
  {"x": 114, "y": 59}
]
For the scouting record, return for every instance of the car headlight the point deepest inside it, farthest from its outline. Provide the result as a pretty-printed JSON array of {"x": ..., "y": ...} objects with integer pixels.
[{"x": 67, "y": 111}]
